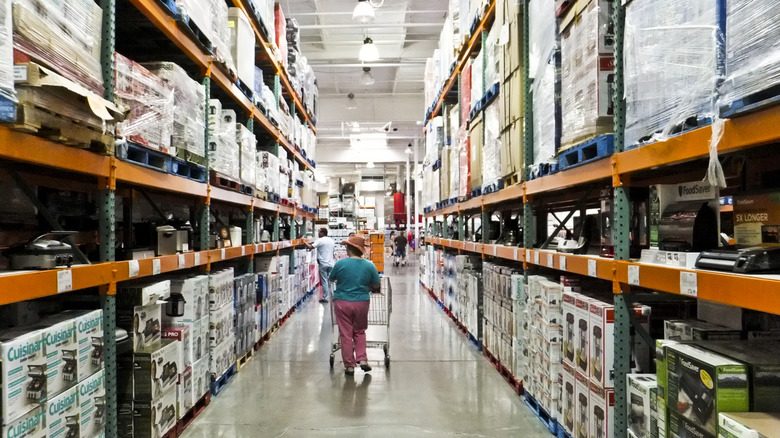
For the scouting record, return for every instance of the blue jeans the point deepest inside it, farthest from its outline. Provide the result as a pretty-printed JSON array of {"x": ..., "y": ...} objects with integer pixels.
[{"x": 325, "y": 280}]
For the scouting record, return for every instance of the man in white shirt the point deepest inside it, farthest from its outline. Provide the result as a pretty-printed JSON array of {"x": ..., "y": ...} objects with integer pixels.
[{"x": 325, "y": 247}]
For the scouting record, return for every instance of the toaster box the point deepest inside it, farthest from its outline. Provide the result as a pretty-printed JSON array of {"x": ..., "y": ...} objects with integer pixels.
[
  {"x": 570, "y": 333},
  {"x": 642, "y": 418},
  {"x": 582, "y": 405},
  {"x": 185, "y": 388},
  {"x": 602, "y": 411},
  {"x": 92, "y": 400},
  {"x": 63, "y": 414},
  {"x": 763, "y": 364},
  {"x": 748, "y": 425},
  {"x": 196, "y": 300},
  {"x": 143, "y": 325},
  {"x": 701, "y": 384},
  {"x": 153, "y": 419},
  {"x": 182, "y": 334},
  {"x": 143, "y": 292},
  {"x": 582, "y": 336},
  {"x": 568, "y": 406},
  {"x": 156, "y": 370},
  {"x": 30, "y": 425},
  {"x": 23, "y": 372},
  {"x": 62, "y": 351}
]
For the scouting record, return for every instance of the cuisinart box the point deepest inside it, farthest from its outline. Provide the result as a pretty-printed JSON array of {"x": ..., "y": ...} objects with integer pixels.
[
  {"x": 757, "y": 219},
  {"x": 29, "y": 425},
  {"x": 61, "y": 345},
  {"x": 156, "y": 370},
  {"x": 92, "y": 399},
  {"x": 23, "y": 372},
  {"x": 700, "y": 385},
  {"x": 63, "y": 414},
  {"x": 153, "y": 419},
  {"x": 748, "y": 425},
  {"x": 89, "y": 332},
  {"x": 642, "y": 419}
]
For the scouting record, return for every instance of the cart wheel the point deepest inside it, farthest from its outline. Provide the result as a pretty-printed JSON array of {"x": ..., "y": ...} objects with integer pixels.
[
  {"x": 387, "y": 361},
  {"x": 332, "y": 359}
]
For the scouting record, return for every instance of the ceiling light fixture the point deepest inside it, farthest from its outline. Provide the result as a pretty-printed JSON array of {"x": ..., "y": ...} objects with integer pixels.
[
  {"x": 368, "y": 51},
  {"x": 367, "y": 78},
  {"x": 363, "y": 13}
]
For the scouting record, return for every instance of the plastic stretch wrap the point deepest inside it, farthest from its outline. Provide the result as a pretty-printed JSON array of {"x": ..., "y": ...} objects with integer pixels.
[
  {"x": 463, "y": 162},
  {"x": 280, "y": 26},
  {"x": 242, "y": 45},
  {"x": 465, "y": 93},
  {"x": 454, "y": 172},
  {"x": 429, "y": 80},
  {"x": 752, "y": 48},
  {"x": 188, "y": 112},
  {"x": 198, "y": 12},
  {"x": 64, "y": 35},
  {"x": 293, "y": 34},
  {"x": 542, "y": 68},
  {"x": 268, "y": 167},
  {"x": 248, "y": 144},
  {"x": 447, "y": 48},
  {"x": 477, "y": 79},
  {"x": 284, "y": 179},
  {"x": 492, "y": 54},
  {"x": 259, "y": 85},
  {"x": 151, "y": 104},
  {"x": 6, "y": 52},
  {"x": 224, "y": 151},
  {"x": 434, "y": 139},
  {"x": 435, "y": 186},
  {"x": 672, "y": 66},
  {"x": 220, "y": 33},
  {"x": 491, "y": 148},
  {"x": 586, "y": 76}
]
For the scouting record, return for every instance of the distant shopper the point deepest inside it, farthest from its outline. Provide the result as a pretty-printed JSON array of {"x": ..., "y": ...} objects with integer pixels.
[
  {"x": 355, "y": 279},
  {"x": 400, "y": 245},
  {"x": 325, "y": 247}
]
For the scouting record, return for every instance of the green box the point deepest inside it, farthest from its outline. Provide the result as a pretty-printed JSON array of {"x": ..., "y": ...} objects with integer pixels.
[
  {"x": 661, "y": 346},
  {"x": 700, "y": 384},
  {"x": 748, "y": 425}
]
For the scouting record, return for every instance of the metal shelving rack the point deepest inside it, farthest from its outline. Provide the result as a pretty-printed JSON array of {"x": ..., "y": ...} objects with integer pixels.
[
  {"x": 740, "y": 134},
  {"x": 106, "y": 171}
]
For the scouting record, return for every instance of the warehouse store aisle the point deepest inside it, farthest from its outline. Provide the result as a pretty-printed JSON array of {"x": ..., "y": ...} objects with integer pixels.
[{"x": 438, "y": 384}]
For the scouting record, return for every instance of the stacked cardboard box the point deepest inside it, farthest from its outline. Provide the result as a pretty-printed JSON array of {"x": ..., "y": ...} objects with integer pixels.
[
  {"x": 245, "y": 318},
  {"x": 544, "y": 68},
  {"x": 221, "y": 322},
  {"x": 224, "y": 151},
  {"x": 512, "y": 88}
]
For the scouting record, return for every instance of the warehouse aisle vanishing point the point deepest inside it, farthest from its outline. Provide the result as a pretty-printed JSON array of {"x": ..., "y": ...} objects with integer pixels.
[{"x": 438, "y": 384}]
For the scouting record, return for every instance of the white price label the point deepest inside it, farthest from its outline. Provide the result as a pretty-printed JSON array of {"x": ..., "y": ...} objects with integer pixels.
[
  {"x": 537, "y": 258},
  {"x": 528, "y": 255},
  {"x": 133, "y": 268},
  {"x": 64, "y": 281},
  {"x": 197, "y": 259},
  {"x": 562, "y": 262},
  {"x": 633, "y": 275},
  {"x": 550, "y": 261},
  {"x": 592, "y": 271},
  {"x": 257, "y": 248},
  {"x": 516, "y": 253},
  {"x": 689, "y": 284},
  {"x": 495, "y": 250},
  {"x": 243, "y": 251},
  {"x": 222, "y": 253},
  {"x": 156, "y": 267},
  {"x": 182, "y": 261}
]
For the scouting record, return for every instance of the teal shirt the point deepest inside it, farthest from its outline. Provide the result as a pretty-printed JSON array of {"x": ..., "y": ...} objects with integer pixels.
[{"x": 353, "y": 279}]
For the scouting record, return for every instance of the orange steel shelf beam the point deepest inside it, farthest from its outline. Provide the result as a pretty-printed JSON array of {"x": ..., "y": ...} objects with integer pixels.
[
  {"x": 30, "y": 149},
  {"x": 137, "y": 175}
]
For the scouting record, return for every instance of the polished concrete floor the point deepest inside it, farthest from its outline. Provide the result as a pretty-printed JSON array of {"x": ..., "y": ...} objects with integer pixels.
[{"x": 438, "y": 384}]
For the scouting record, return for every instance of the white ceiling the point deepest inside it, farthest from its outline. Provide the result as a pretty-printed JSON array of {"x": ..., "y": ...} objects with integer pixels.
[{"x": 406, "y": 33}]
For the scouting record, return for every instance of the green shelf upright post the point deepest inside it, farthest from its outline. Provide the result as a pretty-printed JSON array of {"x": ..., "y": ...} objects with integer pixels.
[
  {"x": 620, "y": 234},
  {"x": 461, "y": 227},
  {"x": 203, "y": 236},
  {"x": 250, "y": 214},
  {"x": 276, "y": 228}
]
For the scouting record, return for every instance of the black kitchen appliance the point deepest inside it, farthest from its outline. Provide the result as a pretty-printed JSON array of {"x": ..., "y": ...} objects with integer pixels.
[
  {"x": 36, "y": 389},
  {"x": 582, "y": 357},
  {"x": 97, "y": 351},
  {"x": 72, "y": 426},
  {"x": 41, "y": 253},
  {"x": 757, "y": 259},
  {"x": 688, "y": 226},
  {"x": 69, "y": 362},
  {"x": 701, "y": 397},
  {"x": 570, "y": 337},
  {"x": 596, "y": 361}
]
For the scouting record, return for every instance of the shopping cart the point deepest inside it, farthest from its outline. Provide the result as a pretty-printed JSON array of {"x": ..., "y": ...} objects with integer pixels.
[
  {"x": 378, "y": 331},
  {"x": 399, "y": 259}
]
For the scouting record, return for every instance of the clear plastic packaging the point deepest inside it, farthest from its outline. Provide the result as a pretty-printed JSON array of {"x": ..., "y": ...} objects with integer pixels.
[
  {"x": 151, "y": 105},
  {"x": 224, "y": 151},
  {"x": 199, "y": 13},
  {"x": 64, "y": 35},
  {"x": 248, "y": 144},
  {"x": 491, "y": 148},
  {"x": 268, "y": 172},
  {"x": 242, "y": 45},
  {"x": 280, "y": 27},
  {"x": 220, "y": 34},
  {"x": 189, "y": 100},
  {"x": 587, "y": 75},
  {"x": 542, "y": 69},
  {"x": 477, "y": 82},
  {"x": 752, "y": 48},
  {"x": 463, "y": 154},
  {"x": 672, "y": 66},
  {"x": 6, "y": 53},
  {"x": 454, "y": 172}
]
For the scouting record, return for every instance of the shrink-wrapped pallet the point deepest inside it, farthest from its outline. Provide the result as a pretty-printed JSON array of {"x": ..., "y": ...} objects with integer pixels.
[
  {"x": 542, "y": 68},
  {"x": 248, "y": 145},
  {"x": 224, "y": 152},
  {"x": 673, "y": 64},
  {"x": 220, "y": 35},
  {"x": 491, "y": 148}
]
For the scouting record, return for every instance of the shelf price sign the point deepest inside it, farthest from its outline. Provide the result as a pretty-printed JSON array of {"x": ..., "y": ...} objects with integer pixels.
[
  {"x": 633, "y": 275},
  {"x": 689, "y": 284},
  {"x": 222, "y": 253},
  {"x": 182, "y": 261},
  {"x": 550, "y": 261},
  {"x": 562, "y": 262},
  {"x": 133, "y": 268},
  {"x": 592, "y": 269},
  {"x": 64, "y": 281},
  {"x": 197, "y": 259},
  {"x": 156, "y": 267}
]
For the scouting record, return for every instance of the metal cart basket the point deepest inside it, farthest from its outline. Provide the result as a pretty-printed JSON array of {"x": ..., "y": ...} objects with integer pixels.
[{"x": 378, "y": 331}]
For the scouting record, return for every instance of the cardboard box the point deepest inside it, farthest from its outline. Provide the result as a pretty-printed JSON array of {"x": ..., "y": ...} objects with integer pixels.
[
  {"x": 194, "y": 290},
  {"x": 661, "y": 347},
  {"x": 476, "y": 138},
  {"x": 582, "y": 406},
  {"x": 143, "y": 325},
  {"x": 183, "y": 334},
  {"x": 221, "y": 324},
  {"x": 143, "y": 292},
  {"x": 23, "y": 372},
  {"x": 512, "y": 148},
  {"x": 201, "y": 378},
  {"x": 153, "y": 419},
  {"x": 602, "y": 346},
  {"x": 185, "y": 388},
  {"x": 63, "y": 414},
  {"x": 763, "y": 365},
  {"x": 156, "y": 371},
  {"x": 700, "y": 385},
  {"x": 223, "y": 356},
  {"x": 89, "y": 332},
  {"x": 92, "y": 399},
  {"x": 693, "y": 330},
  {"x": 602, "y": 411},
  {"x": 62, "y": 352},
  {"x": 570, "y": 332},
  {"x": 748, "y": 425},
  {"x": 30, "y": 425},
  {"x": 220, "y": 289},
  {"x": 664, "y": 195},
  {"x": 242, "y": 45},
  {"x": 582, "y": 337},
  {"x": 642, "y": 393},
  {"x": 757, "y": 219}
]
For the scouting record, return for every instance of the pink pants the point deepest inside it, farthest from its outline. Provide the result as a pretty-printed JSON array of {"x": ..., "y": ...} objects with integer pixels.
[{"x": 352, "y": 318}]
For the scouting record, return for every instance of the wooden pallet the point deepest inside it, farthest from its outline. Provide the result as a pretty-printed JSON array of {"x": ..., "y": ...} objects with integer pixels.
[
  {"x": 244, "y": 359},
  {"x": 512, "y": 179},
  {"x": 221, "y": 181},
  {"x": 193, "y": 413}
]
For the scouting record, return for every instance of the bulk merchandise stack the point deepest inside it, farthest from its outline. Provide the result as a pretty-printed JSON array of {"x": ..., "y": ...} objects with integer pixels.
[{"x": 222, "y": 313}]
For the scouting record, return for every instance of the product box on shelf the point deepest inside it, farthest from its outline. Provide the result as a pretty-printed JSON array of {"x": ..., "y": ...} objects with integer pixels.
[
  {"x": 143, "y": 293},
  {"x": 662, "y": 379},
  {"x": 757, "y": 219},
  {"x": 674, "y": 196},
  {"x": 693, "y": 330},
  {"x": 92, "y": 399},
  {"x": 570, "y": 331},
  {"x": 156, "y": 370},
  {"x": 183, "y": 335},
  {"x": 143, "y": 325},
  {"x": 89, "y": 333},
  {"x": 223, "y": 356},
  {"x": 642, "y": 397},
  {"x": 748, "y": 424},
  {"x": 153, "y": 419},
  {"x": 194, "y": 290},
  {"x": 582, "y": 338},
  {"x": 61, "y": 346},
  {"x": 602, "y": 323},
  {"x": 23, "y": 372},
  {"x": 221, "y": 324},
  {"x": 582, "y": 402},
  {"x": 602, "y": 411},
  {"x": 185, "y": 389},
  {"x": 220, "y": 289},
  {"x": 242, "y": 46},
  {"x": 201, "y": 378},
  {"x": 30, "y": 425},
  {"x": 476, "y": 137},
  {"x": 700, "y": 385},
  {"x": 63, "y": 414}
]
